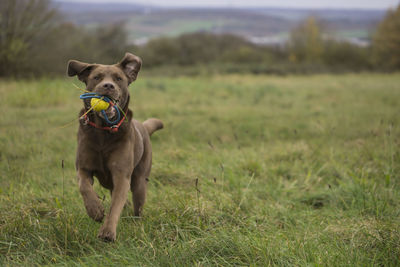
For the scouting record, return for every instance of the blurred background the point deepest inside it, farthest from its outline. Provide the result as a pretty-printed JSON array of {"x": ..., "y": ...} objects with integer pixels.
[{"x": 201, "y": 37}]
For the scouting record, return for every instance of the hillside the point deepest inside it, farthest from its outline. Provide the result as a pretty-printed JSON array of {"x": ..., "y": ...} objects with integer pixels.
[{"x": 261, "y": 25}]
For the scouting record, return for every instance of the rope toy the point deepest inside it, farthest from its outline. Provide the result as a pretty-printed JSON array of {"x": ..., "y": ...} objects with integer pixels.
[{"x": 101, "y": 103}]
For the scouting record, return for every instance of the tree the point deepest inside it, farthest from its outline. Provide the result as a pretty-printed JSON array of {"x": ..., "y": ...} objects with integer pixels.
[
  {"x": 386, "y": 41},
  {"x": 34, "y": 40},
  {"x": 23, "y": 24},
  {"x": 112, "y": 42},
  {"x": 306, "y": 43}
]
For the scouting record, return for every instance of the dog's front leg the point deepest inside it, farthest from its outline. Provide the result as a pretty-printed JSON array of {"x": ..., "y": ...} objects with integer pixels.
[
  {"x": 92, "y": 203},
  {"x": 108, "y": 231}
]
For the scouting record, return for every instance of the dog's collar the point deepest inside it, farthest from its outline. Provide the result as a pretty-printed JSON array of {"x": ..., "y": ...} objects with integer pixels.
[{"x": 113, "y": 129}]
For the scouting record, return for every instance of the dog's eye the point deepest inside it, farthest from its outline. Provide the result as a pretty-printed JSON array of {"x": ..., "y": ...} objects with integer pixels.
[
  {"x": 96, "y": 78},
  {"x": 119, "y": 78}
]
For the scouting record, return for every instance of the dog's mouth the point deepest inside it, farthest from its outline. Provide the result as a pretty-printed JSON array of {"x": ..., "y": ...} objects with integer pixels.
[{"x": 110, "y": 112}]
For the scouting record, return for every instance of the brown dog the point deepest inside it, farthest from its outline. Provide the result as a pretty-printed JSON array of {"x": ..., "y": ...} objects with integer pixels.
[{"x": 118, "y": 155}]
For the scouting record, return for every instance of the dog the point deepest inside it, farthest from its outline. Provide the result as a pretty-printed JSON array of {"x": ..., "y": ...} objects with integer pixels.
[{"x": 118, "y": 155}]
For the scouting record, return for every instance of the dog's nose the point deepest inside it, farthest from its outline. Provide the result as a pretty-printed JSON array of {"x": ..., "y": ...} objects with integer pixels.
[{"x": 108, "y": 86}]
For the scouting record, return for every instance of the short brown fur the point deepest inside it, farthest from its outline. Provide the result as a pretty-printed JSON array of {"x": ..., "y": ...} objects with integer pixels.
[{"x": 120, "y": 160}]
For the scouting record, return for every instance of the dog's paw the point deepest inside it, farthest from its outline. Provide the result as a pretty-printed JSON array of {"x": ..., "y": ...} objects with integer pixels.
[
  {"x": 95, "y": 211},
  {"x": 106, "y": 234}
]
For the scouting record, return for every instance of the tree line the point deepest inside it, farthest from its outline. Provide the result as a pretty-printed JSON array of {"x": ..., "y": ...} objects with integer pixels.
[{"x": 35, "y": 40}]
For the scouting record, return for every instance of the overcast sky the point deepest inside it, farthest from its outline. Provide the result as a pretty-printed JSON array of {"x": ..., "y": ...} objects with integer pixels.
[{"x": 381, "y": 4}]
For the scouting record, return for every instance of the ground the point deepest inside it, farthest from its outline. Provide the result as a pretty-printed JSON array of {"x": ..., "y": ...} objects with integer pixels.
[{"x": 249, "y": 170}]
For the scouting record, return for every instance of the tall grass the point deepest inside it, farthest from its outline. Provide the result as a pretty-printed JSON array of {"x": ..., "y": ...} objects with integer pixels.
[{"x": 249, "y": 170}]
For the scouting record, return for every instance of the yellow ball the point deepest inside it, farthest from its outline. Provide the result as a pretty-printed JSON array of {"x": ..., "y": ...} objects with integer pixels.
[{"x": 98, "y": 104}]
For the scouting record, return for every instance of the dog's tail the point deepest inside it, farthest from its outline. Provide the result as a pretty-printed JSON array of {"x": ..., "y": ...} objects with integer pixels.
[{"x": 153, "y": 125}]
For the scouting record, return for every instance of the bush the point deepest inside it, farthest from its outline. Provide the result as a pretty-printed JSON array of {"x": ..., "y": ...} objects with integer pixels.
[{"x": 346, "y": 57}]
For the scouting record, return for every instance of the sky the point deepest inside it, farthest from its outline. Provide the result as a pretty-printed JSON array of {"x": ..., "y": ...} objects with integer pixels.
[{"x": 365, "y": 4}]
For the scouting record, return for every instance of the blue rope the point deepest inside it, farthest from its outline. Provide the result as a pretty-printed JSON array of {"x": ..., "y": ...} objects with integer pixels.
[{"x": 106, "y": 99}]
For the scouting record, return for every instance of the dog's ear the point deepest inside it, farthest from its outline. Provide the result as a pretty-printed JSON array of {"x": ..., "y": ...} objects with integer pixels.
[
  {"x": 131, "y": 65},
  {"x": 81, "y": 69}
]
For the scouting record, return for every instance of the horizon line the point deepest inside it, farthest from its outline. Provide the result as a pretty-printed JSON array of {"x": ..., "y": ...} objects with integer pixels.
[{"x": 226, "y": 6}]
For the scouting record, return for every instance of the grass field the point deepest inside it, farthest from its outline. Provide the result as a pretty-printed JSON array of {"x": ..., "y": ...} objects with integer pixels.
[{"x": 290, "y": 170}]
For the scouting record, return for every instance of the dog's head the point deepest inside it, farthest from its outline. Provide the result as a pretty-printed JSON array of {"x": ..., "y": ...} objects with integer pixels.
[{"x": 108, "y": 80}]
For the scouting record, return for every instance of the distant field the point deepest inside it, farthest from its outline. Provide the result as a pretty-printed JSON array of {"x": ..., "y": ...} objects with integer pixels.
[
  {"x": 294, "y": 170},
  {"x": 147, "y": 21},
  {"x": 246, "y": 23},
  {"x": 142, "y": 28},
  {"x": 172, "y": 23},
  {"x": 362, "y": 34}
]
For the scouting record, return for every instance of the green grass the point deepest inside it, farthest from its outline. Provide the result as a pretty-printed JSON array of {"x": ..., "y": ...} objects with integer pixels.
[{"x": 291, "y": 170}]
